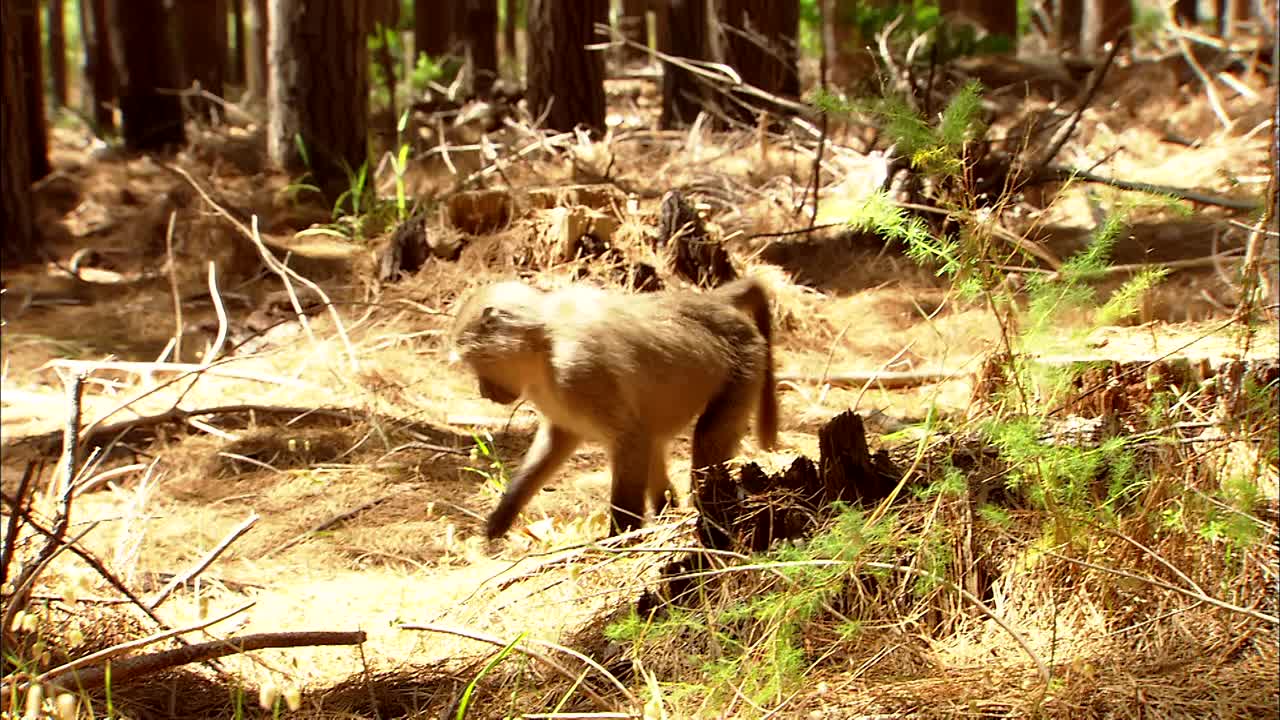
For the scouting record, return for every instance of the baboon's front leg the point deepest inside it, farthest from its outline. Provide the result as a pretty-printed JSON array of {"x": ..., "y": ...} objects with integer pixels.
[{"x": 551, "y": 447}]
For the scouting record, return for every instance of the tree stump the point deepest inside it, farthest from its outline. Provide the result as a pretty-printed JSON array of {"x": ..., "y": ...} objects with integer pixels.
[
  {"x": 750, "y": 510},
  {"x": 694, "y": 255}
]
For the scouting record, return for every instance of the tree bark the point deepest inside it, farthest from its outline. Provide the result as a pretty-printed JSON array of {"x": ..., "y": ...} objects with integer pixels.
[
  {"x": 33, "y": 81},
  {"x": 255, "y": 52},
  {"x": 510, "y": 22},
  {"x": 633, "y": 24},
  {"x": 1112, "y": 20},
  {"x": 566, "y": 81},
  {"x": 98, "y": 89},
  {"x": 435, "y": 28},
  {"x": 319, "y": 99},
  {"x": 57, "y": 52},
  {"x": 1187, "y": 12},
  {"x": 760, "y": 43},
  {"x": 997, "y": 18},
  {"x": 850, "y": 64},
  {"x": 235, "y": 57},
  {"x": 1070, "y": 24},
  {"x": 481, "y": 29},
  {"x": 18, "y": 240},
  {"x": 203, "y": 33},
  {"x": 683, "y": 34},
  {"x": 145, "y": 63}
]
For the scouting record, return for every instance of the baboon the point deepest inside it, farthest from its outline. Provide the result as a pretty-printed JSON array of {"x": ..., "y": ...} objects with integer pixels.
[{"x": 627, "y": 371}]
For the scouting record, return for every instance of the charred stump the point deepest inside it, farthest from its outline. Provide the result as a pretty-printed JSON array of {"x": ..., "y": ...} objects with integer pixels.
[
  {"x": 694, "y": 255},
  {"x": 749, "y": 510}
]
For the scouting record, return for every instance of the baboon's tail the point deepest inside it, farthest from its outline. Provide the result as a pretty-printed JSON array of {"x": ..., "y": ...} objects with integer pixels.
[{"x": 750, "y": 296}]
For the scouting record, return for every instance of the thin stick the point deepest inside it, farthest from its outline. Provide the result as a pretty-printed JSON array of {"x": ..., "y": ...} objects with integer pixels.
[
  {"x": 173, "y": 288},
  {"x": 221, "y": 338},
  {"x": 1068, "y": 173},
  {"x": 138, "y": 367},
  {"x": 134, "y": 667},
  {"x": 562, "y": 670},
  {"x": 70, "y": 448},
  {"x": 889, "y": 379},
  {"x": 204, "y": 562},
  {"x": 326, "y": 524}
]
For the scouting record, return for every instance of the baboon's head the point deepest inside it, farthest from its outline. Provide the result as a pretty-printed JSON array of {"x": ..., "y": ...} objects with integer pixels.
[{"x": 494, "y": 331}]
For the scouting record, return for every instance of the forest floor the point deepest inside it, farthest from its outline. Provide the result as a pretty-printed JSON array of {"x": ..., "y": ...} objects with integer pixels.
[{"x": 372, "y": 519}]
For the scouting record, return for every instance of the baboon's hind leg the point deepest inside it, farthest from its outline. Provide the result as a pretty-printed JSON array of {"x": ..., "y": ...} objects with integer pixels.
[{"x": 721, "y": 426}]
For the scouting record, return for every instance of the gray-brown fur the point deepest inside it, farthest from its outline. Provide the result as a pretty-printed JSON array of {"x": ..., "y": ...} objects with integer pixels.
[{"x": 628, "y": 371}]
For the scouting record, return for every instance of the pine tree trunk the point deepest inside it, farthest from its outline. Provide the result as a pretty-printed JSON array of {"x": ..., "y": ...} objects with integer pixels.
[
  {"x": 17, "y": 234},
  {"x": 509, "y": 25},
  {"x": 481, "y": 30},
  {"x": 1187, "y": 12},
  {"x": 235, "y": 56},
  {"x": 434, "y": 28},
  {"x": 255, "y": 52},
  {"x": 320, "y": 98},
  {"x": 98, "y": 89},
  {"x": 760, "y": 43},
  {"x": 566, "y": 81},
  {"x": 633, "y": 24},
  {"x": 57, "y": 53},
  {"x": 33, "y": 81},
  {"x": 145, "y": 63},
  {"x": 203, "y": 33},
  {"x": 1070, "y": 24},
  {"x": 683, "y": 33},
  {"x": 1112, "y": 19}
]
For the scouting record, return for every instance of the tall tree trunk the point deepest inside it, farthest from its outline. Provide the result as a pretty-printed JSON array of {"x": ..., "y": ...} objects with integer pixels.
[
  {"x": 435, "y": 28},
  {"x": 1187, "y": 12},
  {"x": 33, "y": 80},
  {"x": 510, "y": 22},
  {"x": 481, "y": 27},
  {"x": 566, "y": 81},
  {"x": 683, "y": 33},
  {"x": 760, "y": 43},
  {"x": 98, "y": 89},
  {"x": 18, "y": 242},
  {"x": 319, "y": 98},
  {"x": 145, "y": 63},
  {"x": 1229, "y": 13},
  {"x": 1111, "y": 20},
  {"x": 255, "y": 53},
  {"x": 999, "y": 17},
  {"x": 57, "y": 52},
  {"x": 850, "y": 64},
  {"x": 235, "y": 58},
  {"x": 1070, "y": 24},
  {"x": 633, "y": 24},
  {"x": 203, "y": 32}
]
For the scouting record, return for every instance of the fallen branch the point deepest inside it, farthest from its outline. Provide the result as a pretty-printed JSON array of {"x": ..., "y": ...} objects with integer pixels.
[
  {"x": 1069, "y": 173},
  {"x": 205, "y": 561},
  {"x": 135, "y": 667},
  {"x": 116, "y": 650},
  {"x": 148, "y": 368},
  {"x": 887, "y": 379}
]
